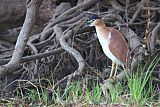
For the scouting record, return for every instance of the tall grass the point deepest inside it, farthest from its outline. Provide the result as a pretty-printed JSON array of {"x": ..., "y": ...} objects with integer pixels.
[
  {"x": 138, "y": 81},
  {"x": 115, "y": 92},
  {"x": 138, "y": 91}
]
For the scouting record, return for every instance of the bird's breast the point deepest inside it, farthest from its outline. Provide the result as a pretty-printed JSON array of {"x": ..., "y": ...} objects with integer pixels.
[{"x": 105, "y": 42}]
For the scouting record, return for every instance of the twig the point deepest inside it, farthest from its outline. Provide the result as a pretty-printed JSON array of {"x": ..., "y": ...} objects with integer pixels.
[
  {"x": 82, "y": 7},
  {"x": 34, "y": 57},
  {"x": 135, "y": 14},
  {"x": 72, "y": 51},
  {"x": 66, "y": 35},
  {"x": 116, "y": 5},
  {"x": 34, "y": 49},
  {"x": 152, "y": 38}
]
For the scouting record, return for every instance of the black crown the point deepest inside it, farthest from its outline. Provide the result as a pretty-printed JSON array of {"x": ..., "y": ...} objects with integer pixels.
[{"x": 94, "y": 17}]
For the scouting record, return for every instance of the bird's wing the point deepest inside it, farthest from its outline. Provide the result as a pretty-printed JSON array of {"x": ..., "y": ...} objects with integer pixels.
[{"x": 118, "y": 45}]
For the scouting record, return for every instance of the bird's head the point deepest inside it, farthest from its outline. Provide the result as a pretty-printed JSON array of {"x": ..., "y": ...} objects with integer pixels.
[{"x": 93, "y": 20}]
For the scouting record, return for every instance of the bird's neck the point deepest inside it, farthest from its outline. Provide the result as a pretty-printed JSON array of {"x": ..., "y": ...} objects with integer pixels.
[
  {"x": 100, "y": 25},
  {"x": 102, "y": 30}
]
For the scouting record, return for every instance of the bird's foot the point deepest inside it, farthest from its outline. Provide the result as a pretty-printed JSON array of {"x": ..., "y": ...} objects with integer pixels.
[
  {"x": 112, "y": 79},
  {"x": 107, "y": 85}
]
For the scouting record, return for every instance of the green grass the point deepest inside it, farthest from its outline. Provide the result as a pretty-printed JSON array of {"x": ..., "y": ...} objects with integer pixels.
[
  {"x": 137, "y": 84},
  {"x": 115, "y": 92},
  {"x": 137, "y": 90},
  {"x": 96, "y": 92}
]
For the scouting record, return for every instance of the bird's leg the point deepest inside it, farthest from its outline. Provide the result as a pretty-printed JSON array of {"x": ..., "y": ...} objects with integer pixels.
[
  {"x": 111, "y": 74},
  {"x": 115, "y": 70}
]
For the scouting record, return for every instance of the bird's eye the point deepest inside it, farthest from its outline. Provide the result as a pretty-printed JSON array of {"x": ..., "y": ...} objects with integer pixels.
[{"x": 89, "y": 22}]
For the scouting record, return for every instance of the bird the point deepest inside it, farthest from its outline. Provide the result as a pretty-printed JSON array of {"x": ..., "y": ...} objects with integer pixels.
[{"x": 113, "y": 44}]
